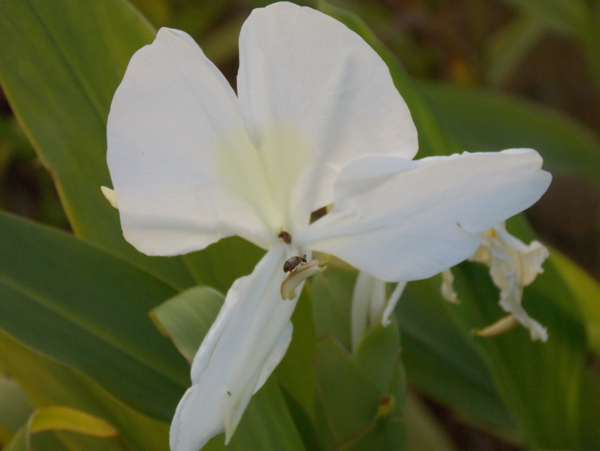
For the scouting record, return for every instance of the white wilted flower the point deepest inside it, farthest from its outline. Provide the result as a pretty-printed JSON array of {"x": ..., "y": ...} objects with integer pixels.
[
  {"x": 513, "y": 266},
  {"x": 316, "y": 121}
]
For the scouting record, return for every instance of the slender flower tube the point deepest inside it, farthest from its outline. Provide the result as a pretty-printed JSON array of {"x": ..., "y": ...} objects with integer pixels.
[{"x": 316, "y": 121}]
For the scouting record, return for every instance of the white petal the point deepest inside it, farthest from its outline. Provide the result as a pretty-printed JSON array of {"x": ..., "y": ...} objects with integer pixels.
[
  {"x": 315, "y": 96},
  {"x": 181, "y": 164},
  {"x": 244, "y": 345},
  {"x": 408, "y": 220}
]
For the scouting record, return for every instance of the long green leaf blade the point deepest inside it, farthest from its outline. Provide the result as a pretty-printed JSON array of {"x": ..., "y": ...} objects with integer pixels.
[
  {"x": 88, "y": 309},
  {"x": 62, "y": 385},
  {"x": 566, "y": 146},
  {"x": 540, "y": 382},
  {"x": 61, "y": 63}
]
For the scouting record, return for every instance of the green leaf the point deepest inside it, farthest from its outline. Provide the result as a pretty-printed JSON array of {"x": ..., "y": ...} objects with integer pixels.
[
  {"x": 266, "y": 423},
  {"x": 333, "y": 292},
  {"x": 221, "y": 45},
  {"x": 540, "y": 382},
  {"x": 158, "y": 12},
  {"x": 62, "y": 418},
  {"x": 359, "y": 414},
  {"x": 221, "y": 263},
  {"x": 510, "y": 45},
  {"x": 566, "y": 146},
  {"x": 88, "y": 309},
  {"x": 196, "y": 18},
  {"x": 424, "y": 431},
  {"x": 59, "y": 76},
  {"x": 14, "y": 409},
  {"x": 187, "y": 317},
  {"x": 296, "y": 373},
  {"x": 566, "y": 16},
  {"x": 350, "y": 399},
  {"x": 384, "y": 435},
  {"x": 351, "y": 388},
  {"x": 19, "y": 442},
  {"x": 378, "y": 355},
  {"x": 586, "y": 290},
  {"x": 441, "y": 360},
  {"x": 48, "y": 383},
  {"x": 590, "y": 410}
]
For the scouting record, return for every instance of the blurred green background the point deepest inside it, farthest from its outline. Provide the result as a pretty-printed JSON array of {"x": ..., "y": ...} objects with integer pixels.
[{"x": 532, "y": 64}]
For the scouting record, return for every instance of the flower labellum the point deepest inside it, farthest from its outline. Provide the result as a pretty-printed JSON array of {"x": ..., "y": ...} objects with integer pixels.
[{"x": 316, "y": 121}]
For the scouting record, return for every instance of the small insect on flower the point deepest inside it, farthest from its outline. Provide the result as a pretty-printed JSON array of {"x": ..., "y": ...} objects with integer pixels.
[
  {"x": 285, "y": 236},
  {"x": 292, "y": 263}
]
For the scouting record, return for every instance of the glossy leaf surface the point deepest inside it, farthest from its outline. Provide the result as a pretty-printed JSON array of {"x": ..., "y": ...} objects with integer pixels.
[
  {"x": 59, "y": 73},
  {"x": 62, "y": 385},
  {"x": 90, "y": 311}
]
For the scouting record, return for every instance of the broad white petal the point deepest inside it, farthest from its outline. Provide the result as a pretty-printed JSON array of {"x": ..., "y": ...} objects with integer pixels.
[
  {"x": 182, "y": 166},
  {"x": 314, "y": 96},
  {"x": 408, "y": 220},
  {"x": 244, "y": 345}
]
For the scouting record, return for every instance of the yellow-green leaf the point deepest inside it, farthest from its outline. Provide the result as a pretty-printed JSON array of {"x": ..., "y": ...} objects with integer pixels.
[{"x": 59, "y": 418}]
